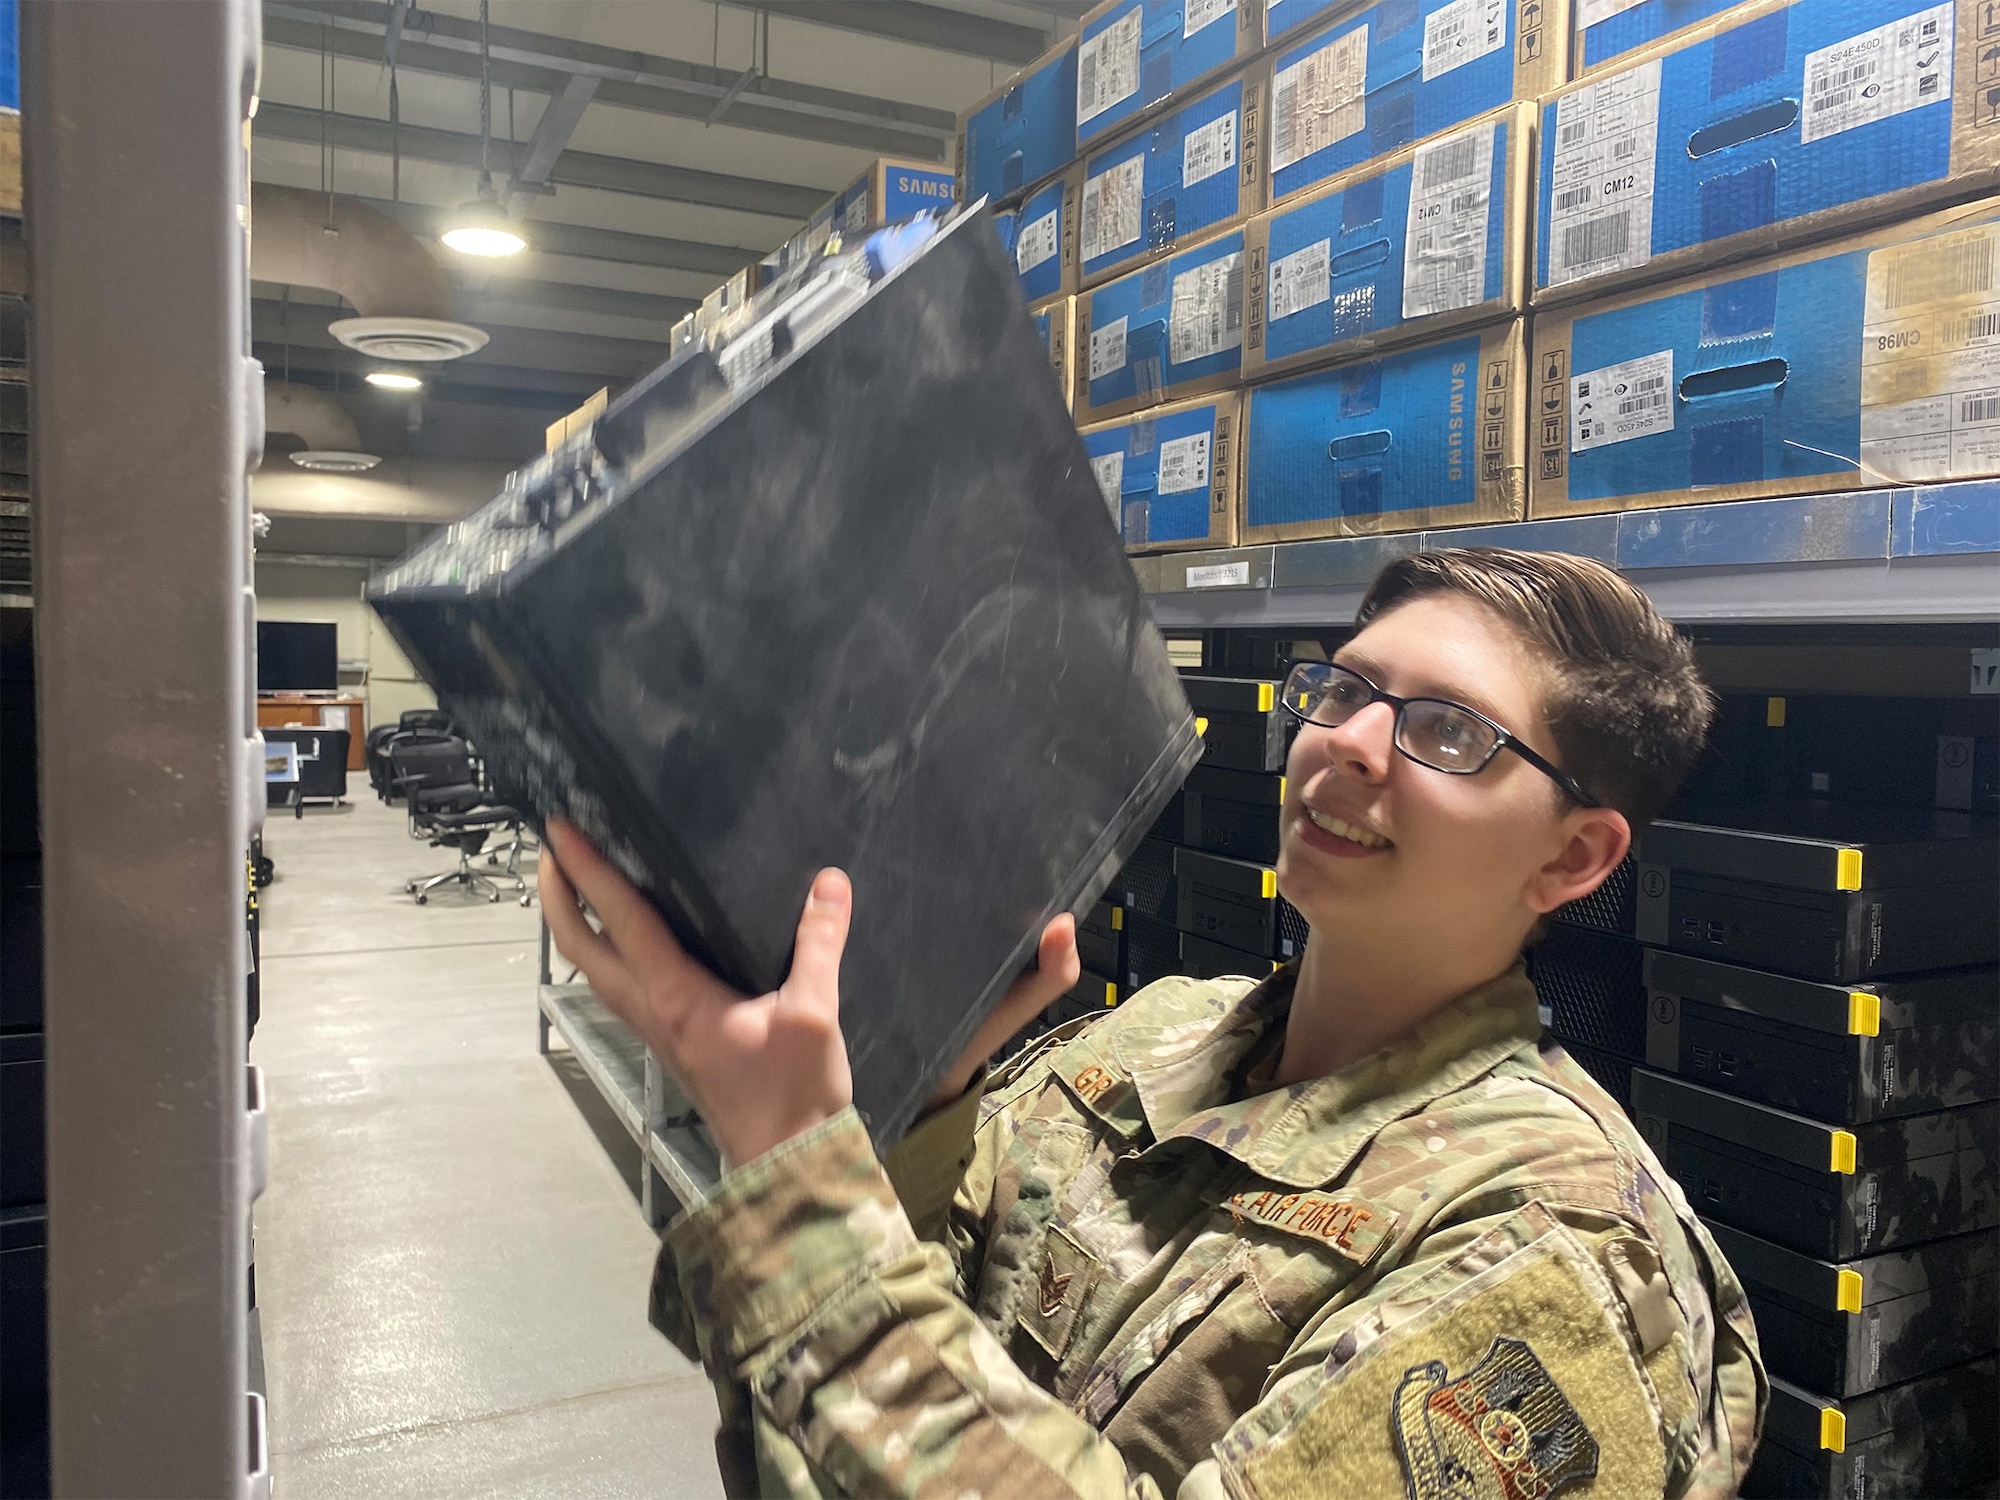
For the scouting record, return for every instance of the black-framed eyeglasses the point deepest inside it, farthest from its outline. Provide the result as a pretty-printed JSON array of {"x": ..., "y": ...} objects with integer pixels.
[{"x": 1433, "y": 732}]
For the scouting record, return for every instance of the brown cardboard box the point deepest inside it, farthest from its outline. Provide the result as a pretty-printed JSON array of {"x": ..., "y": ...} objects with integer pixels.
[
  {"x": 1000, "y": 90},
  {"x": 1437, "y": 438},
  {"x": 559, "y": 432},
  {"x": 1067, "y": 237},
  {"x": 1868, "y": 362},
  {"x": 1370, "y": 306},
  {"x": 1141, "y": 438},
  {"x": 1061, "y": 315},
  {"x": 1749, "y": 142}
]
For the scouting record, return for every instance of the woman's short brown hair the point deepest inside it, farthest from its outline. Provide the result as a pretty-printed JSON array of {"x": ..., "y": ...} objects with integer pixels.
[{"x": 1622, "y": 696}]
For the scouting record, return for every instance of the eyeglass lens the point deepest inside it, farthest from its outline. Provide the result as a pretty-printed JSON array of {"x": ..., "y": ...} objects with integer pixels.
[{"x": 1441, "y": 735}]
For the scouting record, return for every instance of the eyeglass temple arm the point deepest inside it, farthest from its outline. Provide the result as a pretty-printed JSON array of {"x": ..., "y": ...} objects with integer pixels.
[{"x": 1549, "y": 769}]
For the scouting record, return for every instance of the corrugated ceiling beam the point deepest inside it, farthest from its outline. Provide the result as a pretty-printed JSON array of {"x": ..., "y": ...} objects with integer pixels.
[
  {"x": 612, "y": 174},
  {"x": 633, "y": 80},
  {"x": 552, "y": 133}
]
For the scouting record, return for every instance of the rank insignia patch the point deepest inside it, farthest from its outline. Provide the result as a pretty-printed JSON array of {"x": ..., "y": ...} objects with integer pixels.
[{"x": 1502, "y": 1431}]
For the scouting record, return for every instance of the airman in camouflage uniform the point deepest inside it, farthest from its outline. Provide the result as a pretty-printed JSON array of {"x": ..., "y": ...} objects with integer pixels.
[
  {"x": 1358, "y": 1230},
  {"x": 1451, "y": 1269}
]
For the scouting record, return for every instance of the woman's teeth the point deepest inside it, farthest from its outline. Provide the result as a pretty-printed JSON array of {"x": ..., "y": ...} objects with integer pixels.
[{"x": 1340, "y": 828}]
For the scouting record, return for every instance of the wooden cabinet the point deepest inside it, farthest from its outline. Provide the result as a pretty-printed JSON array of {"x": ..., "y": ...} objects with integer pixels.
[{"x": 276, "y": 711}]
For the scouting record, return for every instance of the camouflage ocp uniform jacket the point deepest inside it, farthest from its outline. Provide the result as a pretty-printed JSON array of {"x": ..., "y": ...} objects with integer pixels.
[{"x": 1451, "y": 1270}]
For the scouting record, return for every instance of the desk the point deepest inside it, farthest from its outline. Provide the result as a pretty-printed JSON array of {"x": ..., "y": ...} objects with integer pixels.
[{"x": 276, "y": 710}]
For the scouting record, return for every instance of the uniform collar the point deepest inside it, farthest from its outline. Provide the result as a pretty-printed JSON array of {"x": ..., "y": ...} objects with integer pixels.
[{"x": 1305, "y": 1134}]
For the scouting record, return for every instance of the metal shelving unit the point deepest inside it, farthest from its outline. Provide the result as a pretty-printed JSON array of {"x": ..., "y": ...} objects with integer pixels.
[
  {"x": 1929, "y": 553},
  {"x": 681, "y": 1161}
]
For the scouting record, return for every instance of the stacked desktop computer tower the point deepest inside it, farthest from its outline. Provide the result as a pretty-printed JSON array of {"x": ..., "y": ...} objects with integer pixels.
[{"x": 1792, "y": 987}]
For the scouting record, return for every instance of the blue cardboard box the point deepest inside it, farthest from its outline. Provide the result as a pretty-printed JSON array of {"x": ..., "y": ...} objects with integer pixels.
[
  {"x": 1022, "y": 133},
  {"x": 1170, "y": 475},
  {"x": 1044, "y": 238},
  {"x": 1607, "y": 30},
  {"x": 1132, "y": 56},
  {"x": 1754, "y": 134},
  {"x": 1433, "y": 239},
  {"x": 1400, "y": 71},
  {"x": 1056, "y": 323},
  {"x": 1173, "y": 329},
  {"x": 1871, "y": 361},
  {"x": 893, "y": 191},
  {"x": 1424, "y": 437},
  {"x": 1188, "y": 173}
]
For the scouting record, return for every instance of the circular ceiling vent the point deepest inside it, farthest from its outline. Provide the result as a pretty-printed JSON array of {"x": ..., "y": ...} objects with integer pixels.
[
  {"x": 333, "y": 461},
  {"x": 405, "y": 339}
]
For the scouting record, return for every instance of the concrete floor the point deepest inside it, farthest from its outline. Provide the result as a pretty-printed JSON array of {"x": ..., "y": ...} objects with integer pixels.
[{"x": 451, "y": 1263}]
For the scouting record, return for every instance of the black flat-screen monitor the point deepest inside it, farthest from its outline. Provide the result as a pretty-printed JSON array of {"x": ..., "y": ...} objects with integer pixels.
[{"x": 297, "y": 656}]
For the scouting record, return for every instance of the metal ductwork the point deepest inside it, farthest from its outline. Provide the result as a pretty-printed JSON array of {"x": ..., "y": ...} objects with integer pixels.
[
  {"x": 401, "y": 296},
  {"x": 332, "y": 441}
]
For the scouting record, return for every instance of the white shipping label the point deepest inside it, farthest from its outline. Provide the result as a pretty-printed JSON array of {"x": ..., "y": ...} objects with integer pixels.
[
  {"x": 1110, "y": 472},
  {"x": 1620, "y": 402},
  {"x": 1462, "y": 32},
  {"x": 1878, "y": 74},
  {"x": 1184, "y": 464},
  {"x": 1300, "y": 280},
  {"x": 1320, "y": 99},
  {"x": 1590, "y": 12},
  {"x": 1036, "y": 241},
  {"x": 1930, "y": 358},
  {"x": 1107, "y": 349},
  {"x": 1444, "y": 242},
  {"x": 1209, "y": 149},
  {"x": 1601, "y": 183},
  {"x": 1206, "y": 315},
  {"x": 1107, "y": 67},
  {"x": 1112, "y": 203},
  {"x": 1197, "y": 14}
]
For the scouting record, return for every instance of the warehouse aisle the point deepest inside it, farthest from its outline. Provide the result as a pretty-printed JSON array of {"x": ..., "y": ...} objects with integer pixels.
[{"x": 451, "y": 1264}]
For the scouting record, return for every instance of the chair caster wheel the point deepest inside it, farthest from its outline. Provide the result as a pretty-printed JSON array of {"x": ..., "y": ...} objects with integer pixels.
[
  {"x": 421, "y": 900},
  {"x": 527, "y": 900},
  {"x": 409, "y": 888},
  {"x": 494, "y": 898}
]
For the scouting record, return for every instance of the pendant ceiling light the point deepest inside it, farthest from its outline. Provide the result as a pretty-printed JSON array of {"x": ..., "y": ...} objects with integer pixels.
[{"x": 481, "y": 226}]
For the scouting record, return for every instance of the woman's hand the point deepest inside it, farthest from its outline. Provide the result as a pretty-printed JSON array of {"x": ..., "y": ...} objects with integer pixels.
[{"x": 760, "y": 1071}]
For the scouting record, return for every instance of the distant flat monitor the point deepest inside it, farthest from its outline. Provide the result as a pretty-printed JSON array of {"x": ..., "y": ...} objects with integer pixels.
[{"x": 297, "y": 656}]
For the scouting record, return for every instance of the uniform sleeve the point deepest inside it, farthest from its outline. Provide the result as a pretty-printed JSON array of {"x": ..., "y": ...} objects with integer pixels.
[
  {"x": 1534, "y": 1352},
  {"x": 848, "y": 1363}
]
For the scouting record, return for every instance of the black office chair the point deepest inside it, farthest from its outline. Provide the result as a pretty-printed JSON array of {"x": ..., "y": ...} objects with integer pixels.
[
  {"x": 448, "y": 810},
  {"x": 433, "y": 720}
]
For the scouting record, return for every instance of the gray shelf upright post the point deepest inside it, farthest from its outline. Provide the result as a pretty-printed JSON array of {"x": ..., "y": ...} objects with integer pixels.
[{"x": 147, "y": 410}]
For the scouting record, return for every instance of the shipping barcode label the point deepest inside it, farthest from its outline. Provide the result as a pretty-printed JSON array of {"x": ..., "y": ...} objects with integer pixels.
[
  {"x": 1209, "y": 149},
  {"x": 1883, "y": 72},
  {"x": 1110, "y": 471},
  {"x": 1107, "y": 67},
  {"x": 1463, "y": 31},
  {"x": 1601, "y": 183},
  {"x": 1206, "y": 315},
  {"x": 1198, "y": 14},
  {"x": 1107, "y": 349},
  {"x": 1320, "y": 99},
  {"x": 1620, "y": 402},
  {"x": 1590, "y": 12},
  {"x": 1301, "y": 280},
  {"x": 1184, "y": 464},
  {"x": 1037, "y": 241},
  {"x": 1112, "y": 203},
  {"x": 1930, "y": 358},
  {"x": 1444, "y": 240}
]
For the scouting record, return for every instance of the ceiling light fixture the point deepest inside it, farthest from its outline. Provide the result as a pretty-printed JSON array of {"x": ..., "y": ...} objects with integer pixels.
[
  {"x": 481, "y": 226},
  {"x": 394, "y": 380},
  {"x": 332, "y": 461}
]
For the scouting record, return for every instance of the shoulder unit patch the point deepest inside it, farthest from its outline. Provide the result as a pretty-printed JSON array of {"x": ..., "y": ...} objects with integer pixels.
[{"x": 1503, "y": 1430}]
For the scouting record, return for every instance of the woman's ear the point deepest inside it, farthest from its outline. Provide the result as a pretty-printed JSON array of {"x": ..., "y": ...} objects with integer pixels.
[{"x": 1596, "y": 838}]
